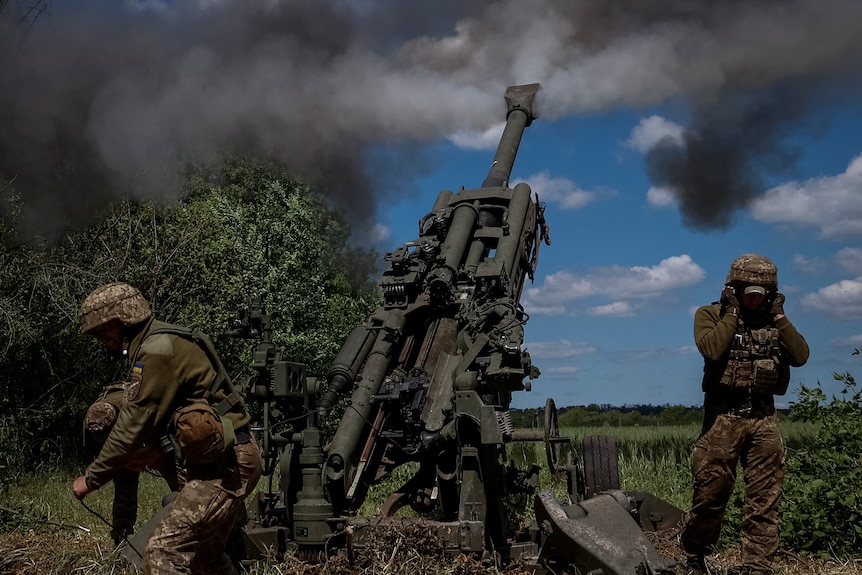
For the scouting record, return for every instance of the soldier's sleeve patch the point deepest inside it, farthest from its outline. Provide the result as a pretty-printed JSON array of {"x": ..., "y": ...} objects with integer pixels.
[{"x": 134, "y": 384}]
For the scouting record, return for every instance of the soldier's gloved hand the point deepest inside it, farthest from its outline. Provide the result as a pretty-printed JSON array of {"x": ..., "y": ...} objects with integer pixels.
[
  {"x": 729, "y": 301},
  {"x": 778, "y": 304}
]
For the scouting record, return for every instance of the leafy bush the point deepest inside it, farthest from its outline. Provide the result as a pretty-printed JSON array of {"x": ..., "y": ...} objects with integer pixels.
[
  {"x": 242, "y": 229},
  {"x": 822, "y": 507}
]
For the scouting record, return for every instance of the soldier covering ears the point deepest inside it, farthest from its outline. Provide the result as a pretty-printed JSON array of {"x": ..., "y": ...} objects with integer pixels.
[{"x": 748, "y": 346}]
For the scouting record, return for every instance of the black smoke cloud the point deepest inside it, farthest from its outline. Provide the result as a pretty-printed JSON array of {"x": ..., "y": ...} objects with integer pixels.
[
  {"x": 108, "y": 101},
  {"x": 735, "y": 143},
  {"x": 101, "y": 98}
]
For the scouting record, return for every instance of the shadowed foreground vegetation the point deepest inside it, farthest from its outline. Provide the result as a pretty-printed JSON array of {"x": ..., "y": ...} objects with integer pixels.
[{"x": 45, "y": 530}]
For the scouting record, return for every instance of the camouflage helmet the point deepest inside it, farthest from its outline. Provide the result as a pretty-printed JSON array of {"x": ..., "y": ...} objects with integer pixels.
[
  {"x": 753, "y": 269},
  {"x": 112, "y": 301}
]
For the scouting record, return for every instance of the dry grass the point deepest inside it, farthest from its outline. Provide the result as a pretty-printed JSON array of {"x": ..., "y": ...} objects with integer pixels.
[
  {"x": 412, "y": 551},
  {"x": 57, "y": 553},
  {"x": 786, "y": 562}
]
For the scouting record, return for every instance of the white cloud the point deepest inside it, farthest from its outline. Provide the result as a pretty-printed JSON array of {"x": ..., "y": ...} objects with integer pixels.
[
  {"x": 850, "y": 259},
  {"x": 472, "y": 140},
  {"x": 534, "y": 309},
  {"x": 852, "y": 341},
  {"x": 808, "y": 265},
  {"x": 565, "y": 370},
  {"x": 649, "y": 132},
  {"x": 660, "y": 197},
  {"x": 617, "y": 308},
  {"x": 841, "y": 300},
  {"x": 647, "y": 355},
  {"x": 559, "y": 349},
  {"x": 619, "y": 282},
  {"x": 563, "y": 192},
  {"x": 379, "y": 233},
  {"x": 652, "y": 130},
  {"x": 833, "y": 204}
]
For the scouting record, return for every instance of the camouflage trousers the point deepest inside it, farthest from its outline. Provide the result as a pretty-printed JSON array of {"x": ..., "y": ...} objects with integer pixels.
[
  {"x": 191, "y": 537},
  {"x": 755, "y": 443},
  {"x": 125, "y": 507}
]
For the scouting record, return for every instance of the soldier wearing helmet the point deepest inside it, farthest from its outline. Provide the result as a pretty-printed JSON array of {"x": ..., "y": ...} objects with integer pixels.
[
  {"x": 748, "y": 346},
  {"x": 99, "y": 420},
  {"x": 175, "y": 376}
]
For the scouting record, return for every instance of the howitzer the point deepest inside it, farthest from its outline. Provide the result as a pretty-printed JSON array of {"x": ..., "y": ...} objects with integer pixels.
[
  {"x": 430, "y": 377},
  {"x": 441, "y": 357}
]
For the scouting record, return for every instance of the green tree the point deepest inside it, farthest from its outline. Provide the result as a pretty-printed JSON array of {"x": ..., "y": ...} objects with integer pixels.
[
  {"x": 633, "y": 418},
  {"x": 672, "y": 415},
  {"x": 243, "y": 229},
  {"x": 573, "y": 417}
]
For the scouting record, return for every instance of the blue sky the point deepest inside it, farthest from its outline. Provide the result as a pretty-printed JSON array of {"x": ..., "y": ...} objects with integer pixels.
[
  {"x": 611, "y": 310},
  {"x": 674, "y": 135}
]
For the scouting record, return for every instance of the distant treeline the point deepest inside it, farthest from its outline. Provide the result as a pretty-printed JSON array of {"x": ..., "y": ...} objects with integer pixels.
[{"x": 597, "y": 415}]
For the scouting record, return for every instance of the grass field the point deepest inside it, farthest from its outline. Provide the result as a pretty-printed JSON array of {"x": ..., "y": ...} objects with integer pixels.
[{"x": 43, "y": 529}]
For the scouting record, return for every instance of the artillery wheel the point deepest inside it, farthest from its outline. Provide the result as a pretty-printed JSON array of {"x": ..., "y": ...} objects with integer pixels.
[
  {"x": 601, "y": 464},
  {"x": 553, "y": 442}
]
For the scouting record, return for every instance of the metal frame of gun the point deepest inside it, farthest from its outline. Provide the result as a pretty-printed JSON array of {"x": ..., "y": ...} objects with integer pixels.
[{"x": 430, "y": 377}]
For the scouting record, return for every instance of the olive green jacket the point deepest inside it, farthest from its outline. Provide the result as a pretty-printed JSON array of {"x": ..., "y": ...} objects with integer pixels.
[
  {"x": 167, "y": 371},
  {"x": 714, "y": 333}
]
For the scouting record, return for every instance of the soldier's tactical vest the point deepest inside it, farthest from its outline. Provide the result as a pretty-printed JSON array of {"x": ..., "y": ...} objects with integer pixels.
[{"x": 755, "y": 362}]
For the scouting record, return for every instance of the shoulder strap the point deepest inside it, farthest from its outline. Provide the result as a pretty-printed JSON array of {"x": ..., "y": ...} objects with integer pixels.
[{"x": 221, "y": 380}]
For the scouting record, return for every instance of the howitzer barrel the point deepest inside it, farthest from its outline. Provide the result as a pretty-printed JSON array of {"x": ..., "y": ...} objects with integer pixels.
[
  {"x": 356, "y": 418},
  {"x": 519, "y": 115},
  {"x": 463, "y": 220},
  {"x": 507, "y": 248},
  {"x": 343, "y": 371}
]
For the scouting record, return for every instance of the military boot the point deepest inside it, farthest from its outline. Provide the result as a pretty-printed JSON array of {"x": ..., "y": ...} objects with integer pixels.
[{"x": 121, "y": 534}]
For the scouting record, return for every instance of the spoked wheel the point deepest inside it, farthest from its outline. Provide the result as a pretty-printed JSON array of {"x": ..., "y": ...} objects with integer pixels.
[
  {"x": 600, "y": 464},
  {"x": 553, "y": 442}
]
